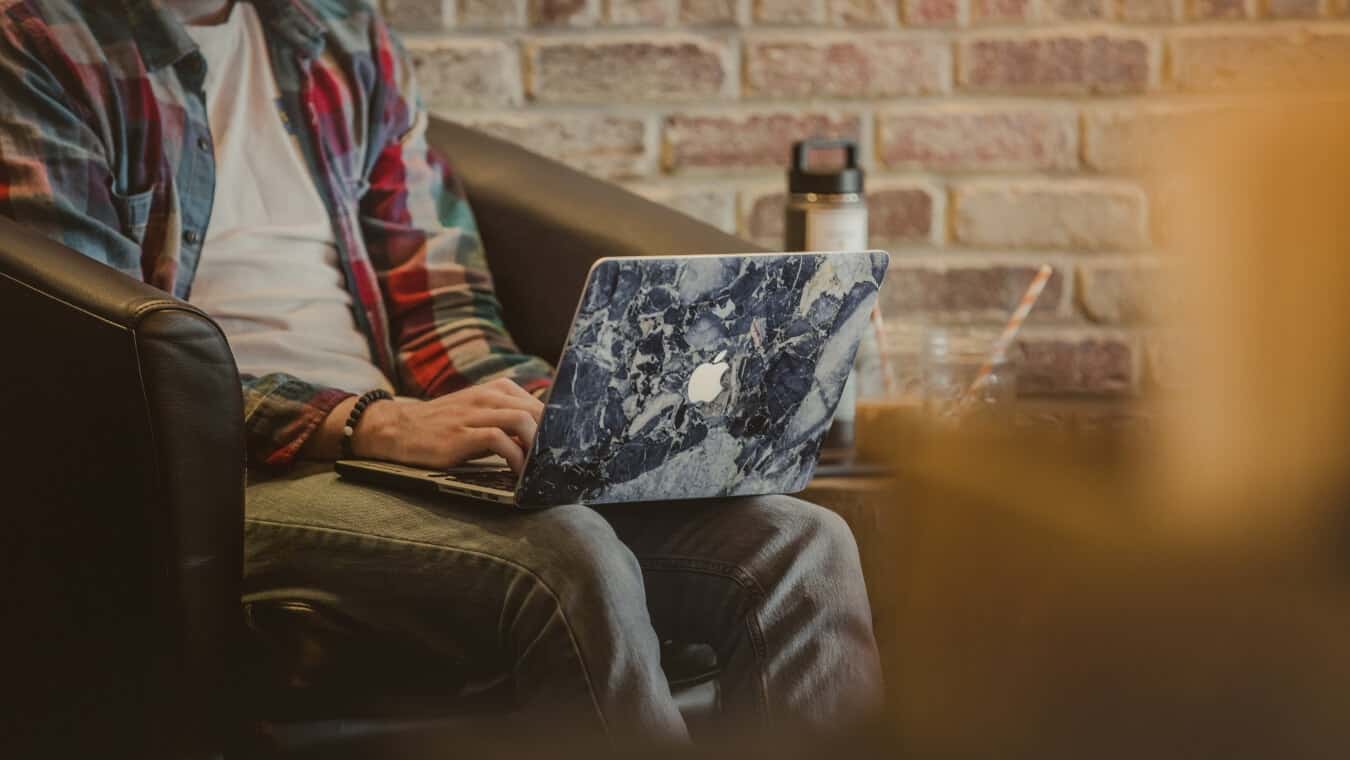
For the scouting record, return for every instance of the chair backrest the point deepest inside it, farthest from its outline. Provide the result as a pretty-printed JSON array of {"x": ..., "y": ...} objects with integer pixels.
[
  {"x": 543, "y": 224},
  {"x": 121, "y": 485}
]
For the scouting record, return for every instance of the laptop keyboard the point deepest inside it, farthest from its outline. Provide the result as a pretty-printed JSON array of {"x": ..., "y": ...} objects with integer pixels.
[{"x": 502, "y": 480}]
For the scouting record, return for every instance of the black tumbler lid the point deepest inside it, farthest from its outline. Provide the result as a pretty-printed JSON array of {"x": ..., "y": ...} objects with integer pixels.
[{"x": 848, "y": 179}]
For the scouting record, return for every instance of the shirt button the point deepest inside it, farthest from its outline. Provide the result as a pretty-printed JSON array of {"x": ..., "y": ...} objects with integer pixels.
[
  {"x": 191, "y": 237},
  {"x": 204, "y": 144}
]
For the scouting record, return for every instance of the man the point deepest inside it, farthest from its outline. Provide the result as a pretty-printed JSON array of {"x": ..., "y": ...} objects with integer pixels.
[{"x": 267, "y": 160}]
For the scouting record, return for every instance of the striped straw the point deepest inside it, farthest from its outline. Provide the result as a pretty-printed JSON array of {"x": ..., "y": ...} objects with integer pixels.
[{"x": 1005, "y": 340}]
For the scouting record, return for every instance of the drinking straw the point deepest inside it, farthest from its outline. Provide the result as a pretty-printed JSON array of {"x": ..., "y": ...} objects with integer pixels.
[
  {"x": 883, "y": 351},
  {"x": 1010, "y": 330}
]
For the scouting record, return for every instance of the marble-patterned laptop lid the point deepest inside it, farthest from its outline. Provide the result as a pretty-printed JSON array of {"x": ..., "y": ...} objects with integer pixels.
[{"x": 697, "y": 376}]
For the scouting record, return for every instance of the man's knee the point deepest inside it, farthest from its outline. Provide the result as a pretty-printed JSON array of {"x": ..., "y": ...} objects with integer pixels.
[
  {"x": 802, "y": 550},
  {"x": 574, "y": 552}
]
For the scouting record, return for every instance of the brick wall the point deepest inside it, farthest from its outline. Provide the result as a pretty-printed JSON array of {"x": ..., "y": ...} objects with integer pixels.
[{"x": 997, "y": 133}]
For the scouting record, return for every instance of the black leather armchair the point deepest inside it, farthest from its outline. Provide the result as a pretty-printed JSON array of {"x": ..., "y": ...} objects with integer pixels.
[{"x": 123, "y": 466}]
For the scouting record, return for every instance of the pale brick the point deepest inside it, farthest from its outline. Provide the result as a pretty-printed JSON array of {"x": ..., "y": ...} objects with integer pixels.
[
  {"x": 1166, "y": 366},
  {"x": 1210, "y": 10},
  {"x": 1148, "y": 11},
  {"x": 419, "y": 15},
  {"x": 959, "y": 290},
  {"x": 1076, "y": 364},
  {"x": 563, "y": 12},
  {"x": 1294, "y": 8},
  {"x": 845, "y": 66},
  {"x": 1122, "y": 292},
  {"x": 1068, "y": 215},
  {"x": 1131, "y": 138},
  {"x": 463, "y": 73},
  {"x": 492, "y": 14},
  {"x": 674, "y": 68},
  {"x": 999, "y": 11},
  {"x": 978, "y": 137},
  {"x": 931, "y": 12},
  {"x": 1057, "y": 63},
  {"x": 902, "y": 212},
  {"x": 712, "y": 206},
  {"x": 706, "y": 12},
  {"x": 861, "y": 13},
  {"x": 611, "y": 146},
  {"x": 1249, "y": 59},
  {"x": 757, "y": 139},
  {"x": 1076, "y": 10},
  {"x": 639, "y": 12},
  {"x": 788, "y": 11}
]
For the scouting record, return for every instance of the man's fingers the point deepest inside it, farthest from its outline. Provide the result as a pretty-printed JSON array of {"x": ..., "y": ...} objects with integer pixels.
[
  {"x": 495, "y": 399},
  {"x": 494, "y": 440},
  {"x": 516, "y": 422}
]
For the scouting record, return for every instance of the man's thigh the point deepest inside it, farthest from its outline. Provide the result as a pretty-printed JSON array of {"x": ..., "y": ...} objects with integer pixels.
[{"x": 443, "y": 570}]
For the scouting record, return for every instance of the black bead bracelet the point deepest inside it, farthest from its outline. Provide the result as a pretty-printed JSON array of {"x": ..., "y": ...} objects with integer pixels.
[{"x": 349, "y": 430}]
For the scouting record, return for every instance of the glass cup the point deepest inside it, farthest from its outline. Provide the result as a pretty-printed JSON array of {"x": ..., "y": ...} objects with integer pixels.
[
  {"x": 889, "y": 401},
  {"x": 950, "y": 366}
]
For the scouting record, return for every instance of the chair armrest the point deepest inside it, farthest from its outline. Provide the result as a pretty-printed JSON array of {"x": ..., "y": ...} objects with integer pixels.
[
  {"x": 123, "y": 493},
  {"x": 543, "y": 224}
]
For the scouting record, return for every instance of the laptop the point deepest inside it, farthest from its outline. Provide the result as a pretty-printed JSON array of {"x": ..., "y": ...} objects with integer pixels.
[{"x": 684, "y": 377}]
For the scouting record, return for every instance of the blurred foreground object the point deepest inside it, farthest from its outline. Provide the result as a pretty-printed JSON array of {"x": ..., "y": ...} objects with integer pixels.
[{"x": 1184, "y": 596}]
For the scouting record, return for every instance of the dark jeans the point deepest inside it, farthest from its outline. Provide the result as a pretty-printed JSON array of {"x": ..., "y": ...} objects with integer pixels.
[{"x": 575, "y": 600}]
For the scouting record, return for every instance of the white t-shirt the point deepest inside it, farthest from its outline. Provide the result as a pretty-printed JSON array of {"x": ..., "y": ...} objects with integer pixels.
[{"x": 269, "y": 272}]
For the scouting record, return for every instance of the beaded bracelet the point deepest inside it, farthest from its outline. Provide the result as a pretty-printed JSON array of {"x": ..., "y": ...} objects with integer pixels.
[{"x": 349, "y": 430}]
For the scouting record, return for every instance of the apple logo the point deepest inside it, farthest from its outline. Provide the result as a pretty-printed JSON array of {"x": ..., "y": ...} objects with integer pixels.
[{"x": 706, "y": 382}]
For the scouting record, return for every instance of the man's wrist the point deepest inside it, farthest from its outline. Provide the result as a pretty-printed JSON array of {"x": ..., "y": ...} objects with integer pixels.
[{"x": 374, "y": 434}]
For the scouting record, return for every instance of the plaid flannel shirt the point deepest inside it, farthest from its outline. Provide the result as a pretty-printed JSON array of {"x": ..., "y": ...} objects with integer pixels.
[{"x": 105, "y": 147}]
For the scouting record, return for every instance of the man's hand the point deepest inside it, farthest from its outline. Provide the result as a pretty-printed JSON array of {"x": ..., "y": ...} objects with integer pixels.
[{"x": 496, "y": 417}]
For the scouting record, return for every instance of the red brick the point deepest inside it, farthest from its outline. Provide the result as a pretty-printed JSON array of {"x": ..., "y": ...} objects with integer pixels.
[
  {"x": 861, "y": 13},
  {"x": 902, "y": 212},
  {"x": 1250, "y": 59},
  {"x": 1096, "y": 365},
  {"x": 757, "y": 139},
  {"x": 1064, "y": 215},
  {"x": 845, "y": 66},
  {"x": 978, "y": 137},
  {"x": 959, "y": 290},
  {"x": 610, "y": 146},
  {"x": 666, "y": 68},
  {"x": 898, "y": 212},
  {"x": 1076, "y": 10},
  {"x": 563, "y": 12},
  {"x": 1294, "y": 8},
  {"x": 1057, "y": 63},
  {"x": 639, "y": 12},
  {"x": 1116, "y": 292},
  {"x": 788, "y": 11},
  {"x": 420, "y": 15},
  {"x": 492, "y": 14},
  {"x": 463, "y": 73},
  {"x": 708, "y": 11},
  {"x": 714, "y": 206},
  {"x": 1204, "y": 10},
  {"x": 931, "y": 12},
  {"x": 999, "y": 11},
  {"x": 762, "y": 215},
  {"x": 1148, "y": 11}
]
